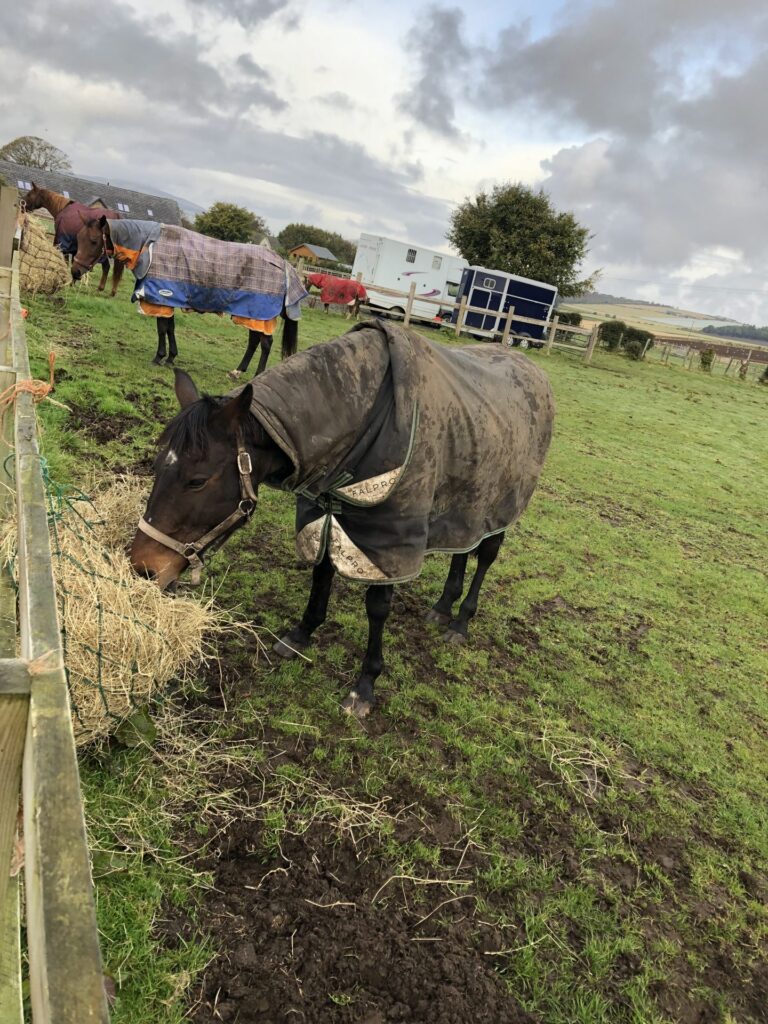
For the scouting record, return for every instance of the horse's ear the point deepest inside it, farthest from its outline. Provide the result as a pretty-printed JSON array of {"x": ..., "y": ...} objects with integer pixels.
[
  {"x": 186, "y": 392},
  {"x": 102, "y": 222},
  {"x": 237, "y": 408}
]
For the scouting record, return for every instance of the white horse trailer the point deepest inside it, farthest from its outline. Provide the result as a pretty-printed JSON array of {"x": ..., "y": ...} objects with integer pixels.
[{"x": 391, "y": 264}]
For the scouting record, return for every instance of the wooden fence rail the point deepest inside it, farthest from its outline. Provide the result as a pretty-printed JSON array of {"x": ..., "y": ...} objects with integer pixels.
[
  {"x": 552, "y": 327},
  {"x": 37, "y": 747}
]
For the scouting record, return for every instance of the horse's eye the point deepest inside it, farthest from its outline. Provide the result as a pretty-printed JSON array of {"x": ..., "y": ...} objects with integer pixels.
[{"x": 197, "y": 482}]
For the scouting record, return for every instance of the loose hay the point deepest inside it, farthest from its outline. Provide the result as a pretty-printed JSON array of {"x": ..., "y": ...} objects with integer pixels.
[
  {"x": 124, "y": 640},
  {"x": 42, "y": 268}
]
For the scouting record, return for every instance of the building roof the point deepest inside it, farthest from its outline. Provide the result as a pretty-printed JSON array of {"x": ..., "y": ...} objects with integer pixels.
[
  {"x": 317, "y": 250},
  {"x": 140, "y": 205},
  {"x": 270, "y": 241}
]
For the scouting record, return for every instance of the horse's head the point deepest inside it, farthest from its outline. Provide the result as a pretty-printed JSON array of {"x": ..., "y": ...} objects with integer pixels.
[
  {"x": 212, "y": 457},
  {"x": 34, "y": 199},
  {"x": 92, "y": 239}
]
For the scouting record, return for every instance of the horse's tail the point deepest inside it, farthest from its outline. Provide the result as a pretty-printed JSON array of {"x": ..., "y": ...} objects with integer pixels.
[{"x": 290, "y": 336}]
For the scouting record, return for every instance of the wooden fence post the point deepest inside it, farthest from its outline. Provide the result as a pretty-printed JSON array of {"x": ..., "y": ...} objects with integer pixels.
[
  {"x": 409, "y": 304},
  {"x": 460, "y": 317},
  {"x": 507, "y": 326},
  {"x": 8, "y": 216},
  {"x": 591, "y": 344},
  {"x": 14, "y": 707},
  {"x": 647, "y": 346},
  {"x": 551, "y": 336}
]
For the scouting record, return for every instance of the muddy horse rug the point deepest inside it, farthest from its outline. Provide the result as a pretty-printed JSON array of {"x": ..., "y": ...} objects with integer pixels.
[
  {"x": 401, "y": 446},
  {"x": 180, "y": 269}
]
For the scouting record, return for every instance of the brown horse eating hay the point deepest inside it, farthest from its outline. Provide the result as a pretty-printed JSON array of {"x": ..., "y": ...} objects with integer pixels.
[
  {"x": 69, "y": 218},
  {"x": 393, "y": 445}
]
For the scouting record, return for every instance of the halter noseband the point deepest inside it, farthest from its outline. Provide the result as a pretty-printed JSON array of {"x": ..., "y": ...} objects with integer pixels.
[{"x": 193, "y": 550}]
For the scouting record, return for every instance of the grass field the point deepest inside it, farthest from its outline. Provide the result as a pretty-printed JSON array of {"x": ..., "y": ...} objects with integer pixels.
[
  {"x": 570, "y": 811},
  {"x": 650, "y": 318}
]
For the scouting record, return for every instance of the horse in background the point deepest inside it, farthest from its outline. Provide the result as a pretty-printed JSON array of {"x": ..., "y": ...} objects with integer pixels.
[
  {"x": 338, "y": 291},
  {"x": 68, "y": 218},
  {"x": 176, "y": 268}
]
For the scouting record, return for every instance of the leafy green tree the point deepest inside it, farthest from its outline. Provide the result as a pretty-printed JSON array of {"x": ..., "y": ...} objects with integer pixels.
[
  {"x": 231, "y": 223},
  {"x": 296, "y": 234},
  {"x": 32, "y": 151},
  {"x": 519, "y": 231}
]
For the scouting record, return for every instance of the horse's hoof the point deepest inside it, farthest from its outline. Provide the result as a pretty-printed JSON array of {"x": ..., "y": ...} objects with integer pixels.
[
  {"x": 452, "y": 637},
  {"x": 170, "y": 360},
  {"x": 288, "y": 649},
  {"x": 157, "y": 361},
  {"x": 355, "y": 705},
  {"x": 437, "y": 617}
]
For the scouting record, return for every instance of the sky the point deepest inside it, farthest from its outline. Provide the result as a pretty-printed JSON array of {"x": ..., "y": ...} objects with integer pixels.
[{"x": 642, "y": 117}]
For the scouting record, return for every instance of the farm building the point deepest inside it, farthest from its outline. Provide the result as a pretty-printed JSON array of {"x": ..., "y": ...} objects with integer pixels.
[
  {"x": 269, "y": 242},
  {"x": 139, "y": 205},
  {"x": 311, "y": 253}
]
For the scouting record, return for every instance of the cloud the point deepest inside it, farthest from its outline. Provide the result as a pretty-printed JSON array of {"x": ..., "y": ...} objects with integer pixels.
[
  {"x": 441, "y": 55},
  {"x": 248, "y": 66},
  {"x": 248, "y": 13},
  {"x": 338, "y": 100},
  {"x": 672, "y": 169}
]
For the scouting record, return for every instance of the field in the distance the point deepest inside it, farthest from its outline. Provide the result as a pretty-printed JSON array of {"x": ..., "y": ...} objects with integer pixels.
[
  {"x": 563, "y": 822},
  {"x": 659, "y": 319}
]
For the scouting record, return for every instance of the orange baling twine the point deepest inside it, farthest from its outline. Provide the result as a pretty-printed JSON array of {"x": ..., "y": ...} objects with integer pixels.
[{"x": 39, "y": 389}]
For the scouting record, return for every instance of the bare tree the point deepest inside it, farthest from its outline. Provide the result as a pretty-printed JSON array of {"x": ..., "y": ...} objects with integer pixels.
[{"x": 32, "y": 151}]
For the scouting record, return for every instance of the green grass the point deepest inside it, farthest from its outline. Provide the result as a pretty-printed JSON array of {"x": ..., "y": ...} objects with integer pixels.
[{"x": 603, "y": 735}]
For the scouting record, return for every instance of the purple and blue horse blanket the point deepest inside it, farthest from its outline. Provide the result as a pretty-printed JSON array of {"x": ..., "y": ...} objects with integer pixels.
[
  {"x": 182, "y": 269},
  {"x": 70, "y": 221}
]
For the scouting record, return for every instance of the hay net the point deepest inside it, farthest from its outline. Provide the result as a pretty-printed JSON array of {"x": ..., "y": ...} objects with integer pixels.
[
  {"x": 42, "y": 267},
  {"x": 124, "y": 640}
]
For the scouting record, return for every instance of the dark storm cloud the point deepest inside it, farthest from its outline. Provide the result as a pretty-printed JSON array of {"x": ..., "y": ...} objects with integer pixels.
[
  {"x": 669, "y": 96},
  {"x": 441, "y": 54},
  {"x": 167, "y": 66}
]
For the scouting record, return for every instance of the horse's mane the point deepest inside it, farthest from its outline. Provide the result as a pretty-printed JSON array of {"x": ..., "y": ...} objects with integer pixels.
[{"x": 189, "y": 430}]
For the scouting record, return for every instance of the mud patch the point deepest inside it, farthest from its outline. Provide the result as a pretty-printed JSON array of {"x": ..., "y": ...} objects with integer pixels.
[
  {"x": 325, "y": 933},
  {"x": 102, "y": 427}
]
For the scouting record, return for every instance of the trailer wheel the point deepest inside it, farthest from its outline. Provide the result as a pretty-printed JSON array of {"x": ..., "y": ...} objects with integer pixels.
[
  {"x": 397, "y": 311},
  {"x": 525, "y": 341}
]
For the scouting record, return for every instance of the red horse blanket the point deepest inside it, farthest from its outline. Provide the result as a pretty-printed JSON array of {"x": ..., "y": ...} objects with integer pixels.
[{"x": 339, "y": 291}]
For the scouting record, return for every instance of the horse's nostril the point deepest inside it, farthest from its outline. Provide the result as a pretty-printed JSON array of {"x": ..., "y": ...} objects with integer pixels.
[{"x": 146, "y": 572}]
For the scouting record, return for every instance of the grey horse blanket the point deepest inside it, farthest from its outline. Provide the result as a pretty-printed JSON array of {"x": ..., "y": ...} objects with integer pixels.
[
  {"x": 186, "y": 270},
  {"x": 401, "y": 446}
]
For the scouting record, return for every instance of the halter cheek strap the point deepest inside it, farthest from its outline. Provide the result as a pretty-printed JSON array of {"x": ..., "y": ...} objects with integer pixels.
[{"x": 193, "y": 550}]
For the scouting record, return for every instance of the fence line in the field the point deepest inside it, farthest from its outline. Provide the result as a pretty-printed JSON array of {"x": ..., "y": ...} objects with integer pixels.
[
  {"x": 553, "y": 328},
  {"x": 37, "y": 748}
]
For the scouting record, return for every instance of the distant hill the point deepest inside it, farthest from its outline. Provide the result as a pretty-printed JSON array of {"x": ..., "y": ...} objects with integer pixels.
[
  {"x": 608, "y": 300},
  {"x": 745, "y": 332}
]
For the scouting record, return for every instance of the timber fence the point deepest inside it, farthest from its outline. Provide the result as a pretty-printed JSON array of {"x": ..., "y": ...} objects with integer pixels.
[
  {"x": 37, "y": 748},
  {"x": 555, "y": 332}
]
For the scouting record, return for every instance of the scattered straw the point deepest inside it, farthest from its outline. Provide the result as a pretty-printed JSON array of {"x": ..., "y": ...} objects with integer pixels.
[
  {"x": 42, "y": 268},
  {"x": 124, "y": 640}
]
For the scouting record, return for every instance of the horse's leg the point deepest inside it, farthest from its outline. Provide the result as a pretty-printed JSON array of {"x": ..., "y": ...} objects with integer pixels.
[
  {"x": 254, "y": 337},
  {"x": 314, "y": 615},
  {"x": 378, "y": 600},
  {"x": 266, "y": 348},
  {"x": 117, "y": 275},
  {"x": 172, "y": 350},
  {"x": 104, "y": 273},
  {"x": 442, "y": 610},
  {"x": 487, "y": 550},
  {"x": 160, "y": 321}
]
